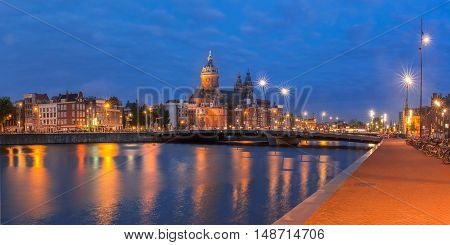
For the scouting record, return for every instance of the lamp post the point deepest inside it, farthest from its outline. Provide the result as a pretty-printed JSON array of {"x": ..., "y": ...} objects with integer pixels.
[
  {"x": 372, "y": 116},
  {"x": 407, "y": 78},
  {"x": 107, "y": 105},
  {"x": 150, "y": 110},
  {"x": 443, "y": 121},
  {"x": 37, "y": 116},
  {"x": 130, "y": 118},
  {"x": 438, "y": 104},
  {"x": 146, "y": 122},
  {"x": 20, "y": 115},
  {"x": 263, "y": 83},
  {"x": 424, "y": 41},
  {"x": 284, "y": 91}
]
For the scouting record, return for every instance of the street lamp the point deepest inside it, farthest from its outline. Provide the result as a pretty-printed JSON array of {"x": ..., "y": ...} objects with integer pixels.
[
  {"x": 263, "y": 83},
  {"x": 20, "y": 115},
  {"x": 407, "y": 78},
  {"x": 323, "y": 115},
  {"x": 437, "y": 103},
  {"x": 284, "y": 91},
  {"x": 443, "y": 121},
  {"x": 150, "y": 110},
  {"x": 425, "y": 40},
  {"x": 107, "y": 105},
  {"x": 146, "y": 122},
  {"x": 372, "y": 116}
]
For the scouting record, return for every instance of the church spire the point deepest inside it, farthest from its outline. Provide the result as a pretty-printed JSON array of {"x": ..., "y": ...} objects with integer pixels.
[
  {"x": 248, "y": 79},
  {"x": 238, "y": 85},
  {"x": 210, "y": 58}
]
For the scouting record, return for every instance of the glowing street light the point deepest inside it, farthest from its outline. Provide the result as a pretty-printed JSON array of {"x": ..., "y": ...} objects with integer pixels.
[
  {"x": 426, "y": 39},
  {"x": 150, "y": 110},
  {"x": 372, "y": 116},
  {"x": 437, "y": 103},
  {"x": 407, "y": 77},
  {"x": 263, "y": 83},
  {"x": 323, "y": 115},
  {"x": 443, "y": 120},
  {"x": 284, "y": 91}
]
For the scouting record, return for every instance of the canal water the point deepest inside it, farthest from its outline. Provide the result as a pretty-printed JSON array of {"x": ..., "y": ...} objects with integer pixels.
[{"x": 161, "y": 183}]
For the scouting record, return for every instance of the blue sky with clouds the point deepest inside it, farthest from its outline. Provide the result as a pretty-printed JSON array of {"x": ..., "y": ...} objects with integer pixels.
[{"x": 171, "y": 39}]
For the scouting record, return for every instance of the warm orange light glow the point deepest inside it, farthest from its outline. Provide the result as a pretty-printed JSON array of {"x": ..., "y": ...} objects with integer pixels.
[{"x": 437, "y": 103}]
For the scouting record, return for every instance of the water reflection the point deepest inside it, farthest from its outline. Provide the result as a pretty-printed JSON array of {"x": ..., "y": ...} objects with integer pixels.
[
  {"x": 161, "y": 183},
  {"x": 150, "y": 181},
  {"x": 108, "y": 187},
  {"x": 241, "y": 181}
]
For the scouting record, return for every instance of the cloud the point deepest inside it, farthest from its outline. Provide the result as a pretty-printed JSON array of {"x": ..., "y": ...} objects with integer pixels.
[
  {"x": 248, "y": 29},
  {"x": 9, "y": 39},
  {"x": 207, "y": 13},
  {"x": 162, "y": 15}
]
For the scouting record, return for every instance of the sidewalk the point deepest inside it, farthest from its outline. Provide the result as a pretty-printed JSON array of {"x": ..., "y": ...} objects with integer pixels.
[{"x": 397, "y": 184}]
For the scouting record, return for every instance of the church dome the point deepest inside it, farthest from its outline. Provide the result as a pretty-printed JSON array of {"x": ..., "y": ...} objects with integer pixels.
[
  {"x": 209, "y": 75},
  {"x": 209, "y": 68}
]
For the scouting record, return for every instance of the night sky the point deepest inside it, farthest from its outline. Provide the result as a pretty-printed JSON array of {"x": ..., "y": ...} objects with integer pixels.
[{"x": 170, "y": 40}]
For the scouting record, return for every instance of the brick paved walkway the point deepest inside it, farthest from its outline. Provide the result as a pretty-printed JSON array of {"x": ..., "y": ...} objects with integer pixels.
[{"x": 397, "y": 184}]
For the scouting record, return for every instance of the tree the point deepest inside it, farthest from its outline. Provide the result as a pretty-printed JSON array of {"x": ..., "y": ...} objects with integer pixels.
[
  {"x": 114, "y": 101},
  {"x": 356, "y": 124},
  {"x": 161, "y": 114},
  {"x": 6, "y": 109}
]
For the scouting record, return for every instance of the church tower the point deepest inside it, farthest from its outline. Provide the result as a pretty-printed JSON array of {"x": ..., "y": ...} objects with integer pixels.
[
  {"x": 209, "y": 75},
  {"x": 238, "y": 84},
  {"x": 248, "y": 87}
]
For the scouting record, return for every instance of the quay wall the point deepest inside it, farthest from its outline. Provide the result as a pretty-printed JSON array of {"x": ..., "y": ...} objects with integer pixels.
[{"x": 75, "y": 138}]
